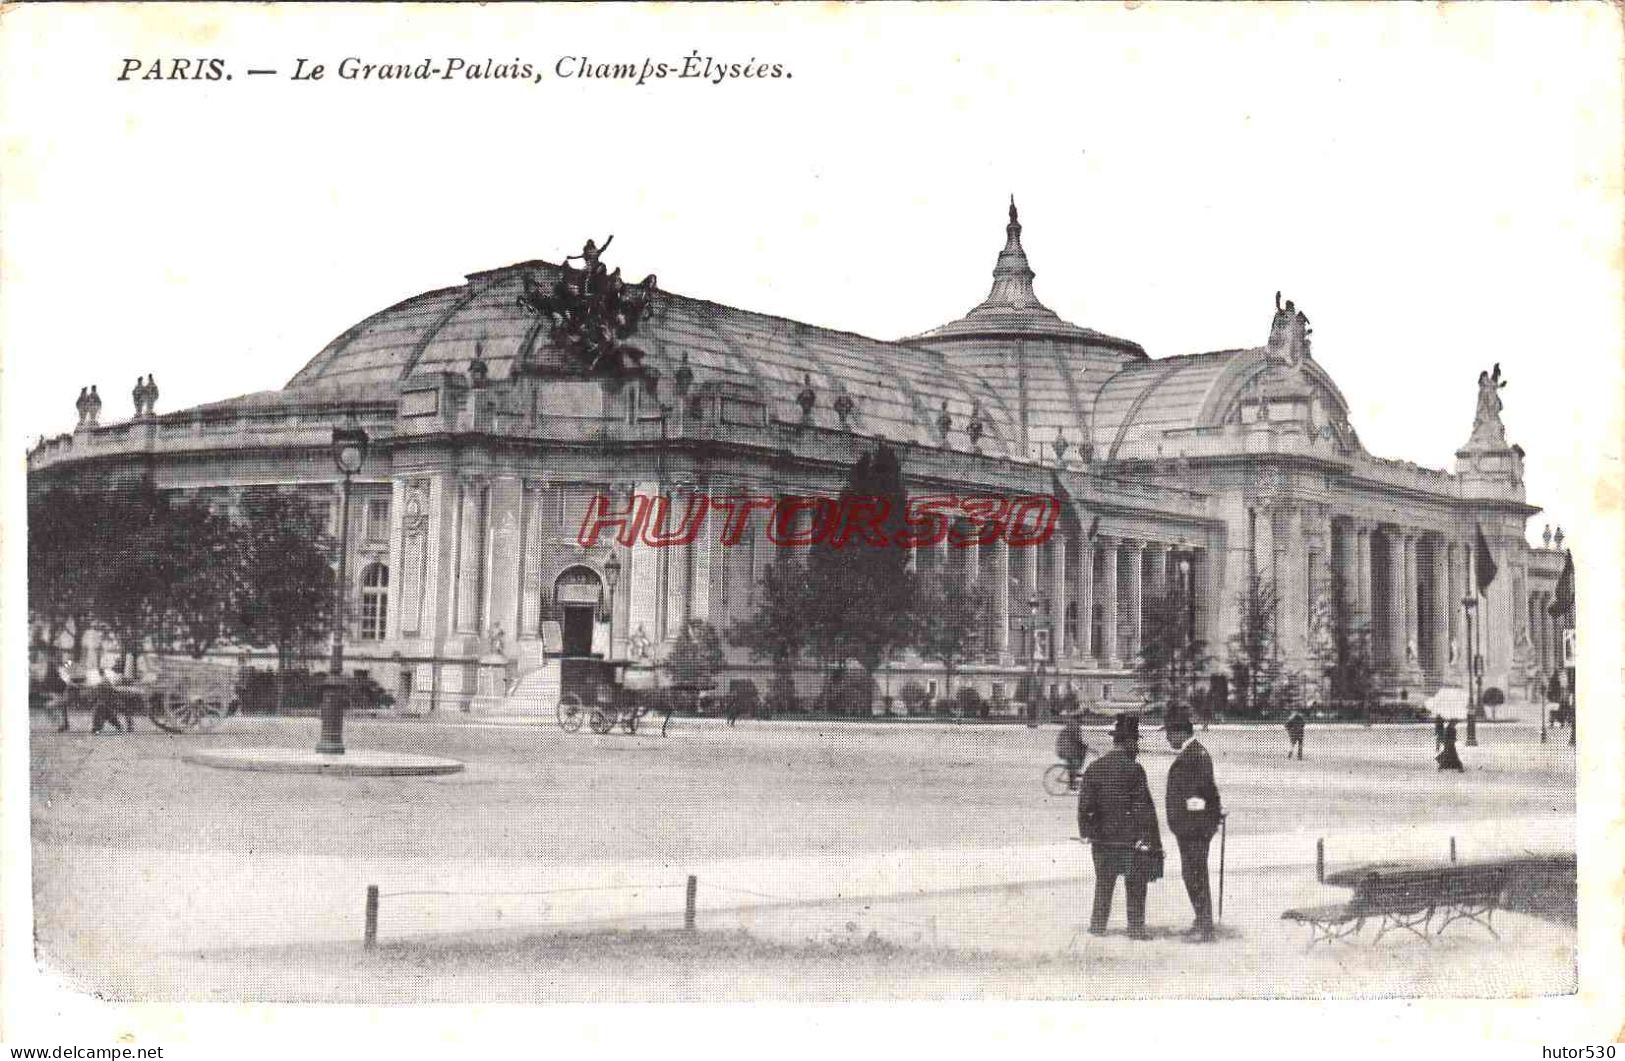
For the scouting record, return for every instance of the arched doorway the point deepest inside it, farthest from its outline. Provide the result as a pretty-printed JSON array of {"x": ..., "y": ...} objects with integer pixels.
[{"x": 578, "y": 594}]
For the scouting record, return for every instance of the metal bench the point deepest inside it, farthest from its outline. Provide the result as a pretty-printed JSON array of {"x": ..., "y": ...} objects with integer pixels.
[{"x": 1407, "y": 897}]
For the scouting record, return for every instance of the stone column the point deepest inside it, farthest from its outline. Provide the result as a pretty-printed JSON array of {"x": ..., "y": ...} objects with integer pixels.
[
  {"x": 1457, "y": 634},
  {"x": 1439, "y": 633},
  {"x": 699, "y": 590},
  {"x": 397, "y": 567},
  {"x": 1136, "y": 600},
  {"x": 1085, "y": 646},
  {"x": 640, "y": 583},
  {"x": 470, "y": 566},
  {"x": 1394, "y": 611},
  {"x": 1001, "y": 598},
  {"x": 1363, "y": 582},
  {"x": 1157, "y": 569},
  {"x": 1291, "y": 573},
  {"x": 973, "y": 564},
  {"x": 1264, "y": 544},
  {"x": 1029, "y": 577},
  {"x": 1057, "y": 637},
  {"x": 1108, "y": 617},
  {"x": 1413, "y": 636},
  {"x": 506, "y": 495},
  {"x": 1346, "y": 554}
]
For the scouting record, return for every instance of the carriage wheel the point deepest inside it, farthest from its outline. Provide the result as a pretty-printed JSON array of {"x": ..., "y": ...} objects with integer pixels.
[
  {"x": 600, "y": 721},
  {"x": 1056, "y": 782},
  {"x": 570, "y": 713}
]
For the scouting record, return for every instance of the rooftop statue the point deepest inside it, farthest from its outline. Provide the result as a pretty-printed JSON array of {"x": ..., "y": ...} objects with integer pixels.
[
  {"x": 591, "y": 313},
  {"x": 1289, "y": 333},
  {"x": 1488, "y": 432}
]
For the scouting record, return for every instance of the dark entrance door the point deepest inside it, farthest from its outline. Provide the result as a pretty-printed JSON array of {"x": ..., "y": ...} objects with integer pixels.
[{"x": 577, "y": 631}]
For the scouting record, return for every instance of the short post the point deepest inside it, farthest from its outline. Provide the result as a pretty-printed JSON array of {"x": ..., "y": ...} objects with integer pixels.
[
  {"x": 370, "y": 939},
  {"x": 688, "y": 903},
  {"x": 1452, "y": 849},
  {"x": 1320, "y": 861}
]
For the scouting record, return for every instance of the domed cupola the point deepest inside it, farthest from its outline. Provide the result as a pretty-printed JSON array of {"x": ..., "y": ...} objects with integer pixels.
[
  {"x": 1044, "y": 369},
  {"x": 1012, "y": 307}
]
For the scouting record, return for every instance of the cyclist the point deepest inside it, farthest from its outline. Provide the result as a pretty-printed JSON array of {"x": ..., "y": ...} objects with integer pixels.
[{"x": 1070, "y": 749}]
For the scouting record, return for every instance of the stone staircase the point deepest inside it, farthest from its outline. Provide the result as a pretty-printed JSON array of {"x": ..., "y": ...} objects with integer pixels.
[{"x": 535, "y": 694}]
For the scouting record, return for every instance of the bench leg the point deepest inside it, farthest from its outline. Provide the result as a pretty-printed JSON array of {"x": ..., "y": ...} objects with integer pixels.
[
  {"x": 1408, "y": 922},
  {"x": 1329, "y": 932},
  {"x": 1479, "y": 913}
]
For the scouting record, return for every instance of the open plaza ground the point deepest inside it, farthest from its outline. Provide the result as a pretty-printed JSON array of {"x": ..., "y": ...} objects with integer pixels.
[{"x": 832, "y": 860}]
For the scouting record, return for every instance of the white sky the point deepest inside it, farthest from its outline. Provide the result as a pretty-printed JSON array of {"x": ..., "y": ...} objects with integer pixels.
[{"x": 1437, "y": 186}]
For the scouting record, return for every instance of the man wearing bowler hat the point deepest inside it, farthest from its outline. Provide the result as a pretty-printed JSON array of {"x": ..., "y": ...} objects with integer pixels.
[
  {"x": 1193, "y": 816},
  {"x": 1117, "y": 817}
]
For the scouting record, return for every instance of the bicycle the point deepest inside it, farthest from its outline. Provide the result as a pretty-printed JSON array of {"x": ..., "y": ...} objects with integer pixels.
[{"x": 1061, "y": 779}]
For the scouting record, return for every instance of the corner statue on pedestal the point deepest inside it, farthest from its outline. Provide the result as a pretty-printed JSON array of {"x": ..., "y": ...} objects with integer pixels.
[{"x": 1488, "y": 432}]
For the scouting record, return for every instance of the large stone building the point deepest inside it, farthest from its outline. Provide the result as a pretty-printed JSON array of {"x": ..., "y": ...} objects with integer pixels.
[{"x": 489, "y": 442}]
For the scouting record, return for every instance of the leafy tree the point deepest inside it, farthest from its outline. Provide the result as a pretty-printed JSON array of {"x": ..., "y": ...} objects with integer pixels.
[
  {"x": 1347, "y": 661},
  {"x": 696, "y": 656},
  {"x": 777, "y": 632},
  {"x": 203, "y": 598},
  {"x": 137, "y": 565},
  {"x": 63, "y": 522},
  {"x": 950, "y": 625},
  {"x": 286, "y": 578},
  {"x": 1172, "y": 661},
  {"x": 863, "y": 607},
  {"x": 1254, "y": 653}
]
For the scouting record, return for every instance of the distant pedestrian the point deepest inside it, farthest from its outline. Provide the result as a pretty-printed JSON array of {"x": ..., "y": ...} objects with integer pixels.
[
  {"x": 1438, "y": 732},
  {"x": 103, "y": 707},
  {"x": 1447, "y": 758},
  {"x": 56, "y": 684},
  {"x": 1070, "y": 748},
  {"x": 1294, "y": 733},
  {"x": 1117, "y": 817}
]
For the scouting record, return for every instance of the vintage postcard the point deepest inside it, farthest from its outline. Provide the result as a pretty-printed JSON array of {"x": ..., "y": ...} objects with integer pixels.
[{"x": 553, "y": 506}]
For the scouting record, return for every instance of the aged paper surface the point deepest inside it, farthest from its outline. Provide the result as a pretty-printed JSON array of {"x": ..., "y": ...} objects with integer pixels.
[{"x": 1307, "y": 541}]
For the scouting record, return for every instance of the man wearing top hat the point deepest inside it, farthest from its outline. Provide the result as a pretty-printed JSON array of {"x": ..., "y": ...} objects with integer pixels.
[
  {"x": 1117, "y": 817},
  {"x": 1193, "y": 816}
]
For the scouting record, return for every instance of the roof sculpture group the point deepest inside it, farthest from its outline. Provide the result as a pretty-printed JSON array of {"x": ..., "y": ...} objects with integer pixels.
[{"x": 591, "y": 313}]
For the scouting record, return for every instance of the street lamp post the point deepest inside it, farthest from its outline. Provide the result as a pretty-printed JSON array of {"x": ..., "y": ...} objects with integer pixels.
[
  {"x": 612, "y": 578},
  {"x": 349, "y": 454},
  {"x": 1032, "y": 661},
  {"x": 1475, "y": 665}
]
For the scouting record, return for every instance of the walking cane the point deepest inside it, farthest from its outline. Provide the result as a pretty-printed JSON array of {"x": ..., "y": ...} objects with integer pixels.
[{"x": 1224, "y": 820}]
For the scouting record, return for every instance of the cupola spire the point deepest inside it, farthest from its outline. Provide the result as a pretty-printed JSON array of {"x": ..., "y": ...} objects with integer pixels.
[{"x": 1012, "y": 276}]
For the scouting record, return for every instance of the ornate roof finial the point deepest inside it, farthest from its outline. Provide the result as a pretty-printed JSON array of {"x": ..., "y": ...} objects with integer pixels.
[
  {"x": 808, "y": 397},
  {"x": 685, "y": 375},
  {"x": 1012, "y": 276}
]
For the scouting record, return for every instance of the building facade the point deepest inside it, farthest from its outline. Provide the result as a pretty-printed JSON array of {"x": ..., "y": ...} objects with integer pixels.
[{"x": 490, "y": 442}]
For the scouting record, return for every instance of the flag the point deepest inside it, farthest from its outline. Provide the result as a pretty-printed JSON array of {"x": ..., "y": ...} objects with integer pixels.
[
  {"x": 1484, "y": 562},
  {"x": 1563, "y": 596}
]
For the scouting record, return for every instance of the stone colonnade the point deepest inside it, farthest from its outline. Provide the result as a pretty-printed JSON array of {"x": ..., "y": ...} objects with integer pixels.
[{"x": 1076, "y": 601}]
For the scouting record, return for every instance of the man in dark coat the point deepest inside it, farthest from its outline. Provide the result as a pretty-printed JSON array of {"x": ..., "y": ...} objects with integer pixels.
[
  {"x": 1193, "y": 817},
  {"x": 1294, "y": 734},
  {"x": 1438, "y": 732},
  {"x": 1117, "y": 817}
]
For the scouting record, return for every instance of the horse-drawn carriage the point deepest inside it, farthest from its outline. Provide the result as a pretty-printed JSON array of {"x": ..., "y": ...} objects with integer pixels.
[
  {"x": 186, "y": 695},
  {"x": 605, "y": 694}
]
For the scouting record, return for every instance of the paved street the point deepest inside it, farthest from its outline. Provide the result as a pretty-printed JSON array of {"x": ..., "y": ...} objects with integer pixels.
[{"x": 933, "y": 836}]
